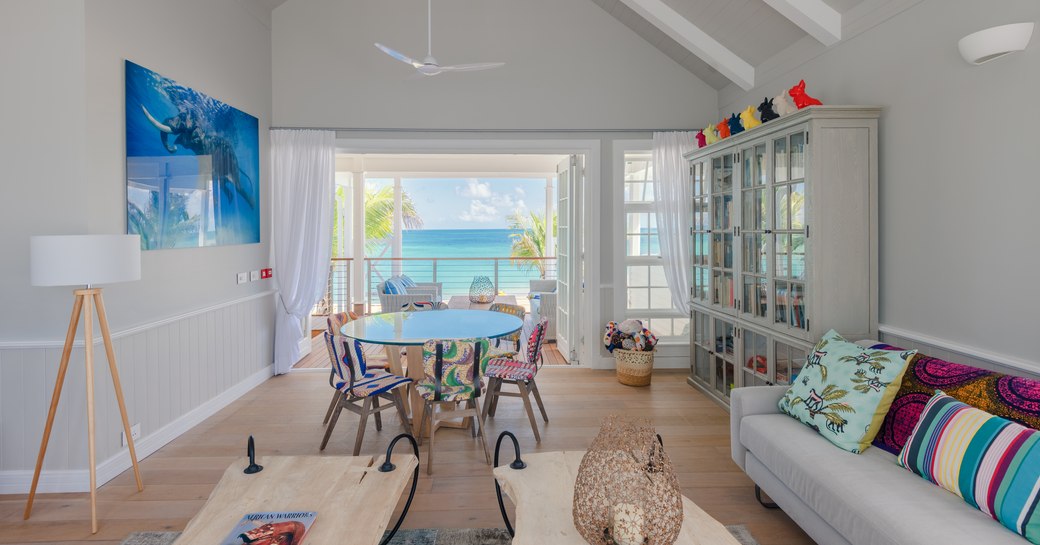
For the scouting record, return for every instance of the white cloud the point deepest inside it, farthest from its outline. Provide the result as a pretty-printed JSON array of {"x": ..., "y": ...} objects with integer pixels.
[
  {"x": 520, "y": 191},
  {"x": 474, "y": 189},
  {"x": 480, "y": 212}
]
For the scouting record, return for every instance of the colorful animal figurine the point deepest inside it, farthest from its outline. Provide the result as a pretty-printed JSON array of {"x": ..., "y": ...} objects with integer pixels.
[
  {"x": 747, "y": 118},
  {"x": 783, "y": 105},
  {"x": 800, "y": 98},
  {"x": 735, "y": 127},
  {"x": 701, "y": 139},
  {"x": 766, "y": 112},
  {"x": 723, "y": 128},
  {"x": 710, "y": 136}
]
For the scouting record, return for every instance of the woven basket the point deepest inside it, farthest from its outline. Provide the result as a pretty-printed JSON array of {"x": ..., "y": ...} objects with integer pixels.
[{"x": 634, "y": 367}]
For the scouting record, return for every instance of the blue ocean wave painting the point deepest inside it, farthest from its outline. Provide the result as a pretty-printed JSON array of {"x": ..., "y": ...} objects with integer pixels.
[{"x": 192, "y": 166}]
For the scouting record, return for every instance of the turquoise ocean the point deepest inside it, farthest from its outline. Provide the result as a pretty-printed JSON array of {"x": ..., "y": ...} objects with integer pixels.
[{"x": 457, "y": 275}]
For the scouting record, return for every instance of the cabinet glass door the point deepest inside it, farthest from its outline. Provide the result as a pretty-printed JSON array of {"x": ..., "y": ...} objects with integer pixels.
[
  {"x": 702, "y": 347},
  {"x": 754, "y": 229},
  {"x": 701, "y": 233},
  {"x": 724, "y": 356},
  {"x": 789, "y": 361},
  {"x": 790, "y": 229},
  {"x": 722, "y": 291},
  {"x": 755, "y": 358}
]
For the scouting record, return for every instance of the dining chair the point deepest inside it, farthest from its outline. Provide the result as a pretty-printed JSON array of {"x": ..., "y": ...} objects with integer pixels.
[
  {"x": 336, "y": 322},
  {"x": 413, "y": 306},
  {"x": 520, "y": 373},
  {"x": 360, "y": 388},
  {"x": 451, "y": 376},
  {"x": 515, "y": 310}
]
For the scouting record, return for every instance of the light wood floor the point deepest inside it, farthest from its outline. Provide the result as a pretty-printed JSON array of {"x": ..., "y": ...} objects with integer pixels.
[{"x": 284, "y": 414}]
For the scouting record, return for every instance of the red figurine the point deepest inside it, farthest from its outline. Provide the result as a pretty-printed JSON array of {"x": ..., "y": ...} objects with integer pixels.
[
  {"x": 701, "y": 139},
  {"x": 723, "y": 129},
  {"x": 801, "y": 99}
]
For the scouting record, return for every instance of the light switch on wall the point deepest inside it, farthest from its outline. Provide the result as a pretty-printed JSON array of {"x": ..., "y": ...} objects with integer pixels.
[
  {"x": 243, "y": 277},
  {"x": 254, "y": 275}
]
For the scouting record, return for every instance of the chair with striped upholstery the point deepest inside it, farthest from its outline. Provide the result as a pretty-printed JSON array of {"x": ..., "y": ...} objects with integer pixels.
[
  {"x": 521, "y": 373},
  {"x": 451, "y": 378},
  {"x": 360, "y": 388},
  {"x": 335, "y": 323},
  {"x": 515, "y": 310}
]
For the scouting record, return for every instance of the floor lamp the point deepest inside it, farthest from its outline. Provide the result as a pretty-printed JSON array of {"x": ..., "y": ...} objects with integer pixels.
[{"x": 85, "y": 260}]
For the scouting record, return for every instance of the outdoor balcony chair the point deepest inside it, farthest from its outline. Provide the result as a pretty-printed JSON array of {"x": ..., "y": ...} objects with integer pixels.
[
  {"x": 361, "y": 388},
  {"x": 543, "y": 304},
  {"x": 451, "y": 377},
  {"x": 397, "y": 291},
  {"x": 521, "y": 373}
]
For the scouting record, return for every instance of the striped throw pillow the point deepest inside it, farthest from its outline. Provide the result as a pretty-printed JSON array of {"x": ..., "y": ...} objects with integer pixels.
[{"x": 990, "y": 462}]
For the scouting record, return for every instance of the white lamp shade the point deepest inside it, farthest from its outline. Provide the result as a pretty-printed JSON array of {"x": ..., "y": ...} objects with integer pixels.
[
  {"x": 992, "y": 43},
  {"x": 70, "y": 260}
]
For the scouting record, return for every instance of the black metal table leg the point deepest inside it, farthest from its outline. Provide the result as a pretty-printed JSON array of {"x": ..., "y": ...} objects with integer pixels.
[
  {"x": 388, "y": 467},
  {"x": 517, "y": 464}
]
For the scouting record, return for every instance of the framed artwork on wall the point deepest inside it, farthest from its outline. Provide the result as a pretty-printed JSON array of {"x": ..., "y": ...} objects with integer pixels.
[{"x": 192, "y": 166}]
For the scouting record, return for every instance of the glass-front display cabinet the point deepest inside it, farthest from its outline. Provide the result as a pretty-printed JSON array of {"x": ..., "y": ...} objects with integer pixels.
[{"x": 784, "y": 244}]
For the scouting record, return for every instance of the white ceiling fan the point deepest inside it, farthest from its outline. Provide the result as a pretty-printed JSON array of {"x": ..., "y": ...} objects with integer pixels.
[{"x": 429, "y": 66}]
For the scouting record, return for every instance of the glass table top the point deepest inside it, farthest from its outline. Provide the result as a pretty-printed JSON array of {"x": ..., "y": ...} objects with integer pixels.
[{"x": 415, "y": 328}]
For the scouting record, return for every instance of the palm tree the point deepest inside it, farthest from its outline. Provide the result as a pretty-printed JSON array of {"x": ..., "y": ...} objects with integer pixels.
[
  {"x": 529, "y": 243},
  {"x": 825, "y": 403},
  {"x": 379, "y": 215}
]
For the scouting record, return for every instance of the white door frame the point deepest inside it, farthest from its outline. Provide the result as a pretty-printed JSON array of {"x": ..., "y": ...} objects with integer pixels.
[{"x": 490, "y": 143}]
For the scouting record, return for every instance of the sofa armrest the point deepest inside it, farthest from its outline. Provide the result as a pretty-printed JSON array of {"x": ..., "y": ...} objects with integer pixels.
[
  {"x": 435, "y": 286},
  {"x": 430, "y": 294},
  {"x": 750, "y": 401}
]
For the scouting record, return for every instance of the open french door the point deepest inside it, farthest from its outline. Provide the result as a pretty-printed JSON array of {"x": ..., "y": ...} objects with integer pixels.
[{"x": 569, "y": 256}]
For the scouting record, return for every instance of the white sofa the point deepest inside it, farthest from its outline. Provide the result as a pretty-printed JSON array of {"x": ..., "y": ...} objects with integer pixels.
[
  {"x": 544, "y": 304},
  {"x": 842, "y": 498},
  {"x": 422, "y": 292}
]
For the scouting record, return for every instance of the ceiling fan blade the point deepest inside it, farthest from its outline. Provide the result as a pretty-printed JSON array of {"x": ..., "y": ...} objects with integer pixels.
[
  {"x": 403, "y": 58},
  {"x": 472, "y": 67}
]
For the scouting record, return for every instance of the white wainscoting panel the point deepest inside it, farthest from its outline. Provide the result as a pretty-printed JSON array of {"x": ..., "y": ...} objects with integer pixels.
[{"x": 175, "y": 373}]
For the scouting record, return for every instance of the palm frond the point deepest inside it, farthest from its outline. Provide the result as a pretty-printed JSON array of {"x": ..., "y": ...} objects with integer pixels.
[{"x": 840, "y": 407}]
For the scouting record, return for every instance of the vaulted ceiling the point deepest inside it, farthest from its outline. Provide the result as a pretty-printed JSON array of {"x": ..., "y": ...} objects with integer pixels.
[{"x": 720, "y": 41}]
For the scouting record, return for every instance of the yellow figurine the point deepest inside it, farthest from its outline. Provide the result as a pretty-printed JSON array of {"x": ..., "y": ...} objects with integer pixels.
[
  {"x": 747, "y": 117},
  {"x": 710, "y": 136}
]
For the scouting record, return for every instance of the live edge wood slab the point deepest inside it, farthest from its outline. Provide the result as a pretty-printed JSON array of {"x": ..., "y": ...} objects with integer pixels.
[
  {"x": 544, "y": 491},
  {"x": 354, "y": 501}
]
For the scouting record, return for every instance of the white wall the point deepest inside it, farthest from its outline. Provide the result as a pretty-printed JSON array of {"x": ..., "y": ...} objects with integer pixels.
[
  {"x": 569, "y": 65},
  {"x": 188, "y": 338},
  {"x": 958, "y": 181}
]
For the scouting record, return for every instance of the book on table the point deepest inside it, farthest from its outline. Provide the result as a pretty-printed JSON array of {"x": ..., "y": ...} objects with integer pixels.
[{"x": 277, "y": 528}]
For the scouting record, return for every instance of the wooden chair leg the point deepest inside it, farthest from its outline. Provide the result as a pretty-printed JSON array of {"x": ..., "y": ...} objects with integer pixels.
[
  {"x": 375, "y": 413},
  {"x": 478, "y": 421},
  {"x": 399, "y": 401},
  {"x": 494, "y": 404},
  {"x": 332, "y": 406},
  {"x": 538, "y": 399},
  {"x": 332, "y": 423},
  {"x": 422, "y": 424},
  {"x": 433, "y": 432},
  {"x": 525, "y": 395},
  {"x": 489, "y": 395},
  {"x": 366, "y": 407}
]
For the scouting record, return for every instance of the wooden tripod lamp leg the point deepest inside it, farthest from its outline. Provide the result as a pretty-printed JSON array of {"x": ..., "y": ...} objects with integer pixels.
[
  {"x": 77, "y": 309},
  {"x": 88, "y": 344},
  {"x": 111, "y": 355}
]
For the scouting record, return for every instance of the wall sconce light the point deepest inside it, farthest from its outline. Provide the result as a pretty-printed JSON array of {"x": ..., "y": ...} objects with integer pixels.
[{"x": 992, "y": 43}]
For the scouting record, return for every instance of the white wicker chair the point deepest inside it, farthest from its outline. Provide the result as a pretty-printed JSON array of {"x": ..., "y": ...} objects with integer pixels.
[
  {"x": 544, "y": 305},
  {"x": 422, "y": 292}
]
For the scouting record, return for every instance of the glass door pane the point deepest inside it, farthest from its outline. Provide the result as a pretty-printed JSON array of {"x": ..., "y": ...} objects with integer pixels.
[
  {"x": 789, "y": 230},
  {"x": 754, "y": 216},
  {"x": 723, "y": 290},
  {"x": 701, "y": 226}
]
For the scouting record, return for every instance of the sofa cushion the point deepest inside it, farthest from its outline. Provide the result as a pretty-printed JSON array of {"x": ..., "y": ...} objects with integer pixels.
[
  {"x": 1007, "y": 396},
  {"x": 844, "y": 390},
  {"x": 868, "y": 497},
  {"x": 990, "y": 462}
]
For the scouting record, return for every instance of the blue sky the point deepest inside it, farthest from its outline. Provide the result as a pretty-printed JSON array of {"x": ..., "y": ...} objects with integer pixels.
[{"x": 472, "y": 203}]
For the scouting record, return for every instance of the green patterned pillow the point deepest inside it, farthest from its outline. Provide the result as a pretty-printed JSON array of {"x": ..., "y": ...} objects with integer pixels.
[{"x": 845, "y": 390}]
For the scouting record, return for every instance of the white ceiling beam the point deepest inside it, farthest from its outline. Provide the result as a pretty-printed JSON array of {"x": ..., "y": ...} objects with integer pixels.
[
  {"x": 815, "y": 17},
  {"x": 695, "y": 40}
]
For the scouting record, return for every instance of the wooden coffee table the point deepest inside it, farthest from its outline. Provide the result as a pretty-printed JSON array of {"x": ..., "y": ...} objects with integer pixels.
[
  {"x": 463, "y": 302},
  {"x": 544, "y": 493},
  {"x": 353, "y": 499}
]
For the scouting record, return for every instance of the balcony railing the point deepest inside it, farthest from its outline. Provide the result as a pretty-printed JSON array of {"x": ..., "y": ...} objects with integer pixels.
[{"x": 510, "y": 276}]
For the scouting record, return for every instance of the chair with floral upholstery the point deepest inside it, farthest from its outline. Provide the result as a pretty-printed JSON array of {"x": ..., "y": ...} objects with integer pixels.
[
  {"x": 515, "y": 310},
  {"x": 521, "y": 373},
  {"x": 451, "y": 377},
  {"x": 413, "y": 306},
  {"x": 360, "y": 388}
]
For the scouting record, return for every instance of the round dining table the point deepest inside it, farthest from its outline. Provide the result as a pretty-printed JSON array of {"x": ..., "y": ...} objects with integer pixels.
[{"x": 412, "y": 329}]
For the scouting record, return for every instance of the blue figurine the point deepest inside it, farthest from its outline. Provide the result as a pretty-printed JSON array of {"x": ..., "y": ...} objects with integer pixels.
[
  {"x": 766, "y": 112},
  {"x": 735, "y": 126}
]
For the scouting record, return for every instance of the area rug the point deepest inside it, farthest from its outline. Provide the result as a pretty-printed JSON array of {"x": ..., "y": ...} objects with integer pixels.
[{"x": 426, "y": 536}]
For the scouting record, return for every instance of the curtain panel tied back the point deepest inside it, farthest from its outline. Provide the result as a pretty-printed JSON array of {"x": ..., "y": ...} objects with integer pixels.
[{"x": 303, "y": 167}]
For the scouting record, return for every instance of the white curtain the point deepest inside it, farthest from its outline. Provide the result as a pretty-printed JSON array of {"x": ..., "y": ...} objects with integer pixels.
[
  {"x": 672, "y": 194},
  {"x": 303, "y": 167}
]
